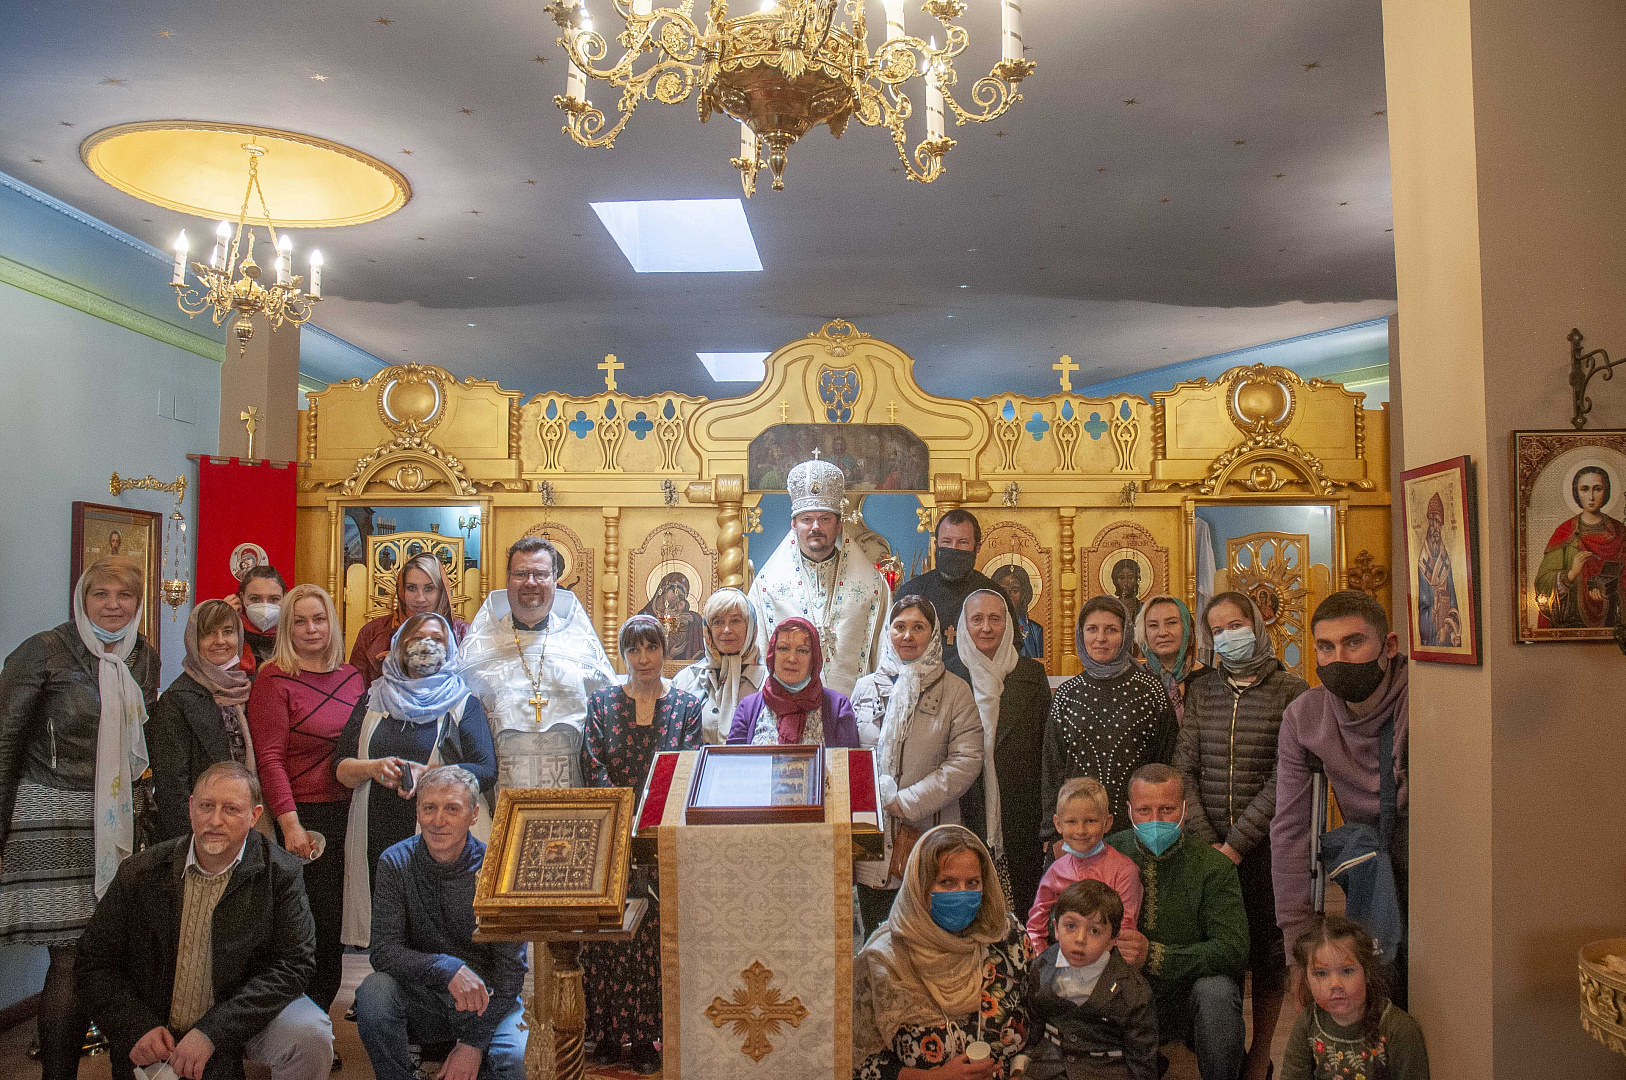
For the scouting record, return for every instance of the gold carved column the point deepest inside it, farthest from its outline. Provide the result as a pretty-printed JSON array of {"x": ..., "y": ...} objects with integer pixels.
[
  {"x": 727, "y": 493},
  {"x": 611, "y": 589},
  {"x": 1069, "y": 662}
]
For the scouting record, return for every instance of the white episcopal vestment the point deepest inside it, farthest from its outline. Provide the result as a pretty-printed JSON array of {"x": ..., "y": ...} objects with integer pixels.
[
  {"x": 537, "y": 703},
  {"x": 845, "y": 596}
]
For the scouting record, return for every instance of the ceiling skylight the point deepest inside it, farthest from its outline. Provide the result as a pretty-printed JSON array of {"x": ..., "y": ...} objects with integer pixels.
[
  {"x": 682, "y": 236},
  {"x": 734, "y": 366}
]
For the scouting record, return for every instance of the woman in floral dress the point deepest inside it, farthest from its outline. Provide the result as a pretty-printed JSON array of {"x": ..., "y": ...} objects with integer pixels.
[
  {"x": 626, "y": 727},
  {"x": 944, "y": 973}
]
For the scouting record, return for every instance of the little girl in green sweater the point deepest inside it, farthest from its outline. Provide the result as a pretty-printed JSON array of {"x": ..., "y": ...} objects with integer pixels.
[{"x": 1349, "y": 1029}]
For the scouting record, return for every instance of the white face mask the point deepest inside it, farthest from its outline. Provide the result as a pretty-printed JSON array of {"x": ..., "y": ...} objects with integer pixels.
[{"x": 264, "y": 616}]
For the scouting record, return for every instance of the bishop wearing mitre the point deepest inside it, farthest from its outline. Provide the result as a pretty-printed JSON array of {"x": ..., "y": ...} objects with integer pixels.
[
  {"x": 533, "y": 657},
  {"x": 823, "y": 576}
]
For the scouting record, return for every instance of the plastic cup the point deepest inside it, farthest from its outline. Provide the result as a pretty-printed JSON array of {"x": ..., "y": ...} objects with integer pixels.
[{"x": 978, "y": 1051}]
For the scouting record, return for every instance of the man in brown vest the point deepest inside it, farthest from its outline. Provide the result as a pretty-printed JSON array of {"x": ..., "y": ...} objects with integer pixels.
[{"x": 199, "y": 953}]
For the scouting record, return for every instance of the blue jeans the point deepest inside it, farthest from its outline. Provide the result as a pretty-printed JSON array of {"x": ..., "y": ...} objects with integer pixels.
[
  {"x": 391, "y": 1014},
  {"x": 1209, "y": 1020}
]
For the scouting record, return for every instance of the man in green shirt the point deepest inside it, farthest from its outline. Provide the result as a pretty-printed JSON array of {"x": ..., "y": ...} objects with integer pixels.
[{"x": 1192, "y": 937}]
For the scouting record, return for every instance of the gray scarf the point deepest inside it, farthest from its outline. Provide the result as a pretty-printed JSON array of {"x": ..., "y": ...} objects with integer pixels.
[
  {"x": 1106, "y": 669},
  {"x": 1264, "y": 650}
]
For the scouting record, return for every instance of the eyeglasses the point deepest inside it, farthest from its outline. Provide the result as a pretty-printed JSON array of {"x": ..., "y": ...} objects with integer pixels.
[{"x": 530, "y": 577}]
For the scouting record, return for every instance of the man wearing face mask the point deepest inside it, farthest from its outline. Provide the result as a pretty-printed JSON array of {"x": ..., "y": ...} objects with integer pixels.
[
  {"x": 1192, "y": 940},
  {"x": 1359, "y": 706},
  {"x": 955, "y": 577}
]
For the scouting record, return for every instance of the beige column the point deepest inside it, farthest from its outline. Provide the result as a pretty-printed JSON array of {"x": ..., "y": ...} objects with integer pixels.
[
  {"x": 266, "y": 378},
  {"x": 1507, "y": 130}
]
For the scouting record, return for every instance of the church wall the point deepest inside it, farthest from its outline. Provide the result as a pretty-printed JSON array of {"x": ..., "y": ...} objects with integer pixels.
[
  {"x": 1506, "y": 147},
  {"x": 80, "y": 403}
]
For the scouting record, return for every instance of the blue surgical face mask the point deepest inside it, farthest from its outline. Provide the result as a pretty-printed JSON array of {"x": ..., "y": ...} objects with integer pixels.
[
  {"x": 954, "y": 911},
  {"x": 107, "y": 637},
  {"x": 1235, "y": 645},
  {"x": 1159, "y": 836},
  {"x": 1090, "y": 854},
  {"x": 794, "y": 687}
]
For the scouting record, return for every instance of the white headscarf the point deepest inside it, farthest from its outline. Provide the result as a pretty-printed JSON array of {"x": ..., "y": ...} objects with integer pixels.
[
  {"x": 987, "y": 686},
  {"x": 121, "y": 744},
  {"x": 722, "y": 673},
  {"x": 907, "y": 682}
]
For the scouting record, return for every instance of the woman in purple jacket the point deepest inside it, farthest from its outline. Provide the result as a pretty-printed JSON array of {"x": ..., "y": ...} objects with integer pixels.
[{"x": 793, "y": 706}]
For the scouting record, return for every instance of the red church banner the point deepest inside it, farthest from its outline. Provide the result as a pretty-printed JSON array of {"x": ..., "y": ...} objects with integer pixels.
[{"x": 245, "y": 519}]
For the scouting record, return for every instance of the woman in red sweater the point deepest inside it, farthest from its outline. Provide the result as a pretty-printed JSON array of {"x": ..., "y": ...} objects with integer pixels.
[{"x": 300, "y": 703}]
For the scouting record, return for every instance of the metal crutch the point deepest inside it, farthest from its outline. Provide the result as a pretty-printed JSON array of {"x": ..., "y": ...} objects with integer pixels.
[{"x": 1318, "y": 826}]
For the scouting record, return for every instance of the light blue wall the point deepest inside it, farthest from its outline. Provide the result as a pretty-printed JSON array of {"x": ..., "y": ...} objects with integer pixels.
[
  {"x": 1227, "y": 522},
  {"x": 80, "y": 403},
  {"x": 419, "y": 518}
]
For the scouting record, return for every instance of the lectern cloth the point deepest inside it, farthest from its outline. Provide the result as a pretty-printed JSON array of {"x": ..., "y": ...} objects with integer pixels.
[{"x": 736, "y": 896}]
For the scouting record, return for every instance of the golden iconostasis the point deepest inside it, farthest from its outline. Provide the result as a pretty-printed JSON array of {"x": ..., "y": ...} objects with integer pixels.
[{"x": 1258, "y": 480}]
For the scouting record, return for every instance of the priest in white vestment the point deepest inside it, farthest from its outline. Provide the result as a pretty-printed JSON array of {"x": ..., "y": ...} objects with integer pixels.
[
  {"x": 533, "y": 657},
  {"x": 821, "y": 575}
]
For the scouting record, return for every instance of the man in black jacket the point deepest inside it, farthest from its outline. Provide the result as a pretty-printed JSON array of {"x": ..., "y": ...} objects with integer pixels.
[
  {"x": 199, "y": 953},
  {"x": 955, "y": 577}
]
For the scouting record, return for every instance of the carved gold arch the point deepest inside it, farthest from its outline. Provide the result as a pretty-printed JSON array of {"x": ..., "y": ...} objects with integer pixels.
[{"x": 1064, "y": 464}]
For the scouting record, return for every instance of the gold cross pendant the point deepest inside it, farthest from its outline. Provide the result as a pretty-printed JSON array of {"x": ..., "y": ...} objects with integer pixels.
[
  {"x": 538, "y": 702},
  {"x": 949, "y": 632}
]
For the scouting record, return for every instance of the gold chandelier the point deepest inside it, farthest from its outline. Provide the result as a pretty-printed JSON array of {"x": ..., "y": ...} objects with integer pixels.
[
  {"x": 783, "y": 70},
  {"x": 282, "y": 300}
]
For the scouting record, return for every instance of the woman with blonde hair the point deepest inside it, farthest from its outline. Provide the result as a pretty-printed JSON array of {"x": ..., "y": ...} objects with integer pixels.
[
  {"x": 732, "y": 667},
  {"x": 73, "y": 702},
  {"x": 420, "y": 587},
  {"x": 299, "y": 706},
  {"x": 939, "y": 989}
]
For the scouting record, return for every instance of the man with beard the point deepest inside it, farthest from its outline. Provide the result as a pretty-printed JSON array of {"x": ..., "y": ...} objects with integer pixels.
[
  {"x": 533, "y": 657},
  {"x": 820, "y": 575},
  {"x": 200, "y": 950},
  {"x": 1438, "y": 623},
  {"x": 955, "y": 577}
]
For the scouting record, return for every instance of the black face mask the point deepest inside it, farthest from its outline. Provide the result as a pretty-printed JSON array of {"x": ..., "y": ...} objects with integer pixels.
[
  {"x": 1352, "y": 682},
  {"x": 954, "y": 564}
]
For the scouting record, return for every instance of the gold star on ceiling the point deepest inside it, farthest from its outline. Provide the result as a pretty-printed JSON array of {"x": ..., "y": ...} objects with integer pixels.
[
  {"x": 1343, "y": 204},
  {"x": 466, "y": 112},
  {"x": 65, "y": 123},
  {"x": 320, "y": 78},
  {"x": 166, "y": 33},
  {"x": 110, "y": 81},
  {"x": 1380, "y": 112},
  {"x": 37, "y": 160},
  {"x": 1163, "y": 200},
  {"x": 1131, "y": 101},
  {"x": 408, "y": 153},
  {"x": 1312, "y": 65},
  {"x": 381, "y": 21},
  {"x": 540, "y": 59},
  {"x": 999, "y": 134},
  {"x": 476, "y": 213},
  {"x": 530, "y": 181},
  {"x": 1239, "y": 142},
  {"x": 1102, "y": 169},
  {"x": 1280, "y": 175}
]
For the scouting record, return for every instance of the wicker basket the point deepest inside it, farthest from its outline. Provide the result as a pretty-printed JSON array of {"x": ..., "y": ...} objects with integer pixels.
[{"x": 1603, "y": 994}]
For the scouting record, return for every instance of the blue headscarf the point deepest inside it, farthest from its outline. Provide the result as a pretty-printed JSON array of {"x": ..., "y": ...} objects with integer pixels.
[
  {"x": 418, "y": 701},
  {"x": 1183, "y": 659}
]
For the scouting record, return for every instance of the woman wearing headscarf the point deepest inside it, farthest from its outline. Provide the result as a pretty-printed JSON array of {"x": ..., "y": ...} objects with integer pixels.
[
  {"x": 73, "y": 701},
  {"x": 300, "y": 704},
  {"x": 200, "y": 719},
  {"x": 420, "y": 587},
  {"x": 732, "y": 666},
  {"x": 627, "y": 726},
  {"x": 794, "y": 706},
  {"x": 940, "y": 987},
  {"x": 1111, "y": 718},
  {"x": 923, "y": 721},
  {"x": 1227, "y": 755},
  {"x": 418, "y": 714},
  {"x": 1013, "y": 698},
  {"x": 1168, "y": 644}
]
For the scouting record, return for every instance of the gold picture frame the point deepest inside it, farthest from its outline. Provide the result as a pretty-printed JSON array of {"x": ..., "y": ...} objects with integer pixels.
[
  {"x": 558, "y": 859},
  {"x": 100, "y": 530}
]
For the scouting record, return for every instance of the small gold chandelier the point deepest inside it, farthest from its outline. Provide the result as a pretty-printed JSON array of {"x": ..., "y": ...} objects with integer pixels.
[
  {"x": 783, "y": 70},
  {"x": 233, "y": 257}
]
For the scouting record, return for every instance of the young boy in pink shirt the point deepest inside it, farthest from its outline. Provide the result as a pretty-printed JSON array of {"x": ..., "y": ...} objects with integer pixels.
[{"x": 1083, "y": 820}]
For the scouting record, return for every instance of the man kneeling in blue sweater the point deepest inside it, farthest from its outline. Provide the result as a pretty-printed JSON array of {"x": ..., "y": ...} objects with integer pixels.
[{"x": 430, "y": 981}]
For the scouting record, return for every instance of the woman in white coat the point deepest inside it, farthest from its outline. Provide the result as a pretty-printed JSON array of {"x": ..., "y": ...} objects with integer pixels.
[{"x": 923, "y": 720}]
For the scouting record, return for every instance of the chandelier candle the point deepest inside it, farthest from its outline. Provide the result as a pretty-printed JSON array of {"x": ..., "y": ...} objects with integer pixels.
[
  {"x": 285, "y": 259},
  {"x": 316, "y": 274},
  {"x": 217, "y": 258},
  {"x": 178, "y": 277},
  {"x": 934, "y": 104},
  {"x": 1010, "y": 26},
  {"x": 894, "y": 18}
]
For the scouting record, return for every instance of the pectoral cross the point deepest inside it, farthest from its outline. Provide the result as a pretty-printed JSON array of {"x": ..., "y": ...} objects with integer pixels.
[
  {"x": 1066, "y": 366},
  {"x": 538, "y": 702},
  {"x": 948, "y": 635},
  {"x": 251, "y": 420},
  {"x": 610, "y": 366}
]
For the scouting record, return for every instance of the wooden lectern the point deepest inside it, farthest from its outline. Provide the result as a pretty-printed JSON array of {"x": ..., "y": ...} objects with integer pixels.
[{"x": 555, "y": 875}]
